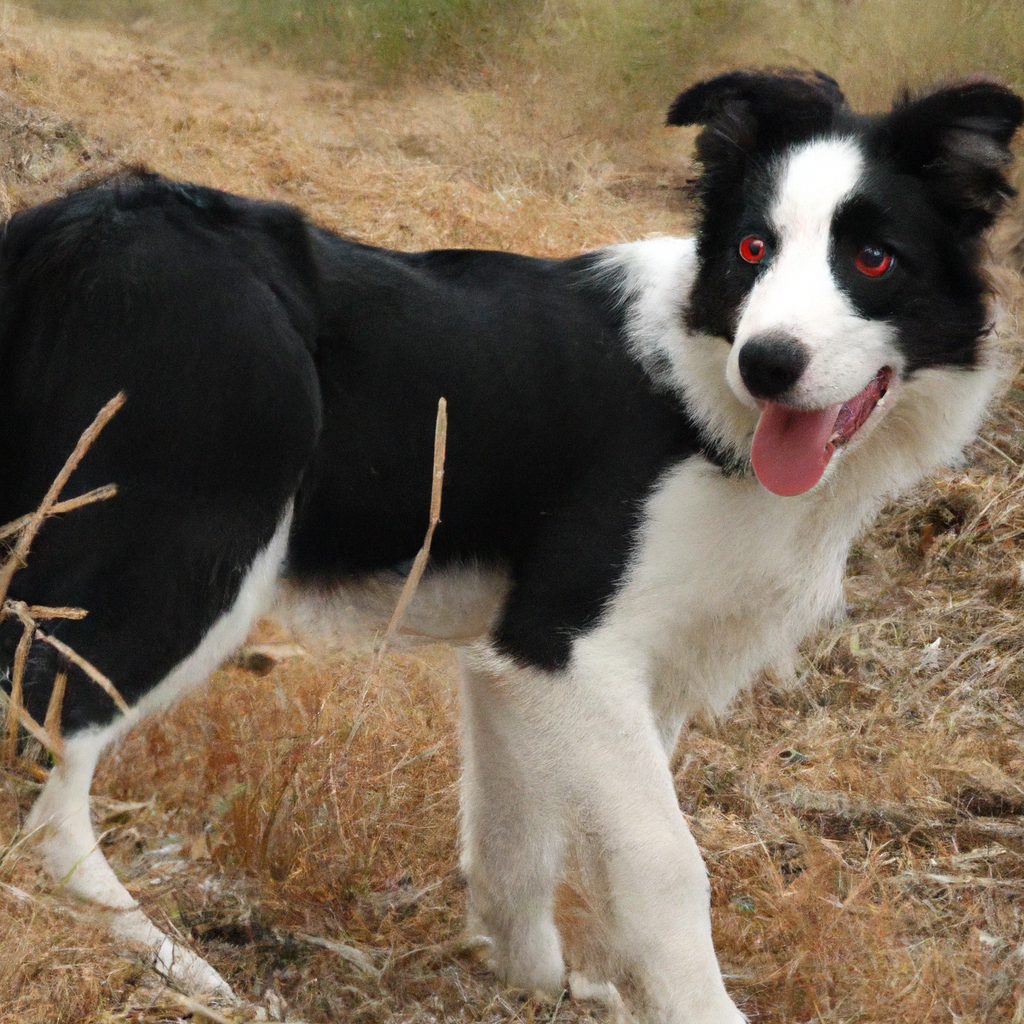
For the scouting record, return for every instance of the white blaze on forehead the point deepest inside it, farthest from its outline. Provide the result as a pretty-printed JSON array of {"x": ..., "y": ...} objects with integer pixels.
[
  {"x": 812, "y": 183},
  {"x": 797, "y": 295}
]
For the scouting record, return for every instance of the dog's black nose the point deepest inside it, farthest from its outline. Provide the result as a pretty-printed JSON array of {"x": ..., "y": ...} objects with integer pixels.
[{"x": 772, "y": 363}]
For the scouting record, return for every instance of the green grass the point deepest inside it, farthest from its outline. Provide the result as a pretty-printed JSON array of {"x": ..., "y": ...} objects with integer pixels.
[
  {"x": 386, "y": 39},
  {"x": 616, "y": 62},
  {"x": 127, "y": 12},
  {"x": 374, "y": 39}
]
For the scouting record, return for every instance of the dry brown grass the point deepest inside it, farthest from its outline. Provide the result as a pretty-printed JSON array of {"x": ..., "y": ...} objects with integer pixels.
[
  {"x": 863, "y": 822},
  {"x": 422, "y": 167}
]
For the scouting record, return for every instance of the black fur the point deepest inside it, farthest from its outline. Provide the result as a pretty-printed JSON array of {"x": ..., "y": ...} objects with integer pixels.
[
  {"x": 545, "y": 407},
  {"x": 204, "y": 309},
  {"x": 256, "y": 352}
]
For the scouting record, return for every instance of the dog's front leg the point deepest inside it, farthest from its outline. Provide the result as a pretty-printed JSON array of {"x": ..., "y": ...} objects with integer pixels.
[
  {"x": 546, "y": 748},
  {"x": 513, "y": 820},
  {"x": 657, "y": 895}
]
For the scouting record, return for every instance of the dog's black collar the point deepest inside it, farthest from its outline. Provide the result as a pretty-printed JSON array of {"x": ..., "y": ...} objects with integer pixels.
[
  {"x": 732, "y": 459},
  {"x": 728, "y": 460}
]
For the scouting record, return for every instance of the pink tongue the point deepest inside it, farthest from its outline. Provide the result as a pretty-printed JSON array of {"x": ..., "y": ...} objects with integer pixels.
[{"x": 791, "y": 447}]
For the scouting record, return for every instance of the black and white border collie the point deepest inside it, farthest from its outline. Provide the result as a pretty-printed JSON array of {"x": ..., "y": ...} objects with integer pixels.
[{"x": 658, "y": 456}]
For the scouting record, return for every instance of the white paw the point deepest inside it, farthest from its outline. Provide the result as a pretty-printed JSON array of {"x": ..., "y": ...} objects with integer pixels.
[
  {"x": 528, "y": 959},
  {"x": 584, "y": 990},
  {"x": 190, "y": 972}
]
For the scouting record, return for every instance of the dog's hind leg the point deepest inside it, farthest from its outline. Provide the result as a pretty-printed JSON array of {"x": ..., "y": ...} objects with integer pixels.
[
  {"x": 512, "y": 825},
  {"x": 69, "y": 848},
  {"x": 72, "y": 856}
]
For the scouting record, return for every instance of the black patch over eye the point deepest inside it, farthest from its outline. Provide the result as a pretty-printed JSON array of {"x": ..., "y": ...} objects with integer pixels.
[
  {"x": 753, "y": 249},
  {"x": 873, "y": 260}
]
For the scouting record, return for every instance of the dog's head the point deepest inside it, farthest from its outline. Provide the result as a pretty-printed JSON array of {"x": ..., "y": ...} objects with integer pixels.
[{"x": 839, "y": 253}]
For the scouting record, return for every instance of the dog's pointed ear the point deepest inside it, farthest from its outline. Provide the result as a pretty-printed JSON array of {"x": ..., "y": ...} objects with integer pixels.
[
  {"x": 742, "y": 109},
  {"x": 957, "y": 141}
]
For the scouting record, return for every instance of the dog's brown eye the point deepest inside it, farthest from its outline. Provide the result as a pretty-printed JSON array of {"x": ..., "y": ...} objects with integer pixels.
[
  {"x": 873, "y": 260},
  {"x": 752, "y": 249}
]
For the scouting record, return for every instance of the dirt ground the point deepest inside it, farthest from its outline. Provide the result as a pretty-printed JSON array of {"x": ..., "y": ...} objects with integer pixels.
[{"x": 863, "y": 821}]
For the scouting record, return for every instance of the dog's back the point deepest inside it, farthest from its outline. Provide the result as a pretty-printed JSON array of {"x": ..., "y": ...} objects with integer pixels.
[{"x": 555, "y": 434}]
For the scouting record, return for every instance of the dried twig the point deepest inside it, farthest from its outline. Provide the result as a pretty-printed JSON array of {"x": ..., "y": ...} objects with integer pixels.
[
  {"x": 17, "y": 557},
  {"x": 97, "y": 494},
  {"x": 420, "y": 562},
  {"x": 956, "y": 881},
  {"x": 198, "y": 1009},
  {"x": 42, "y": 611},
  {"x": 25, "y": 529},
  {"x": 15, "y": 710},
  {"x": 1008, "y": 834},
  {"x": 90, "y": 670},
  {"x": 349, "y": 953},
  {"x": 51, "y": 724},
  {"x": 847, "y": 810}
]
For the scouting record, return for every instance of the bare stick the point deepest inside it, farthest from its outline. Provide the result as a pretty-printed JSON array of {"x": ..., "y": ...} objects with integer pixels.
[
  {"x": 198, "y": 1009},
  {"x": 49, "y": 733},
  {"x": 42, "y": 611},
  {"x": 17, "y": 557},
  {"x": 420, "y": 562},
  {"x": 97, "y": 494},
  {"x": 15, "y": 707},
  {"x": 53, "y": 744},
  {"x": 26, "y": 529},
  {"x": 51, "y": 724}
]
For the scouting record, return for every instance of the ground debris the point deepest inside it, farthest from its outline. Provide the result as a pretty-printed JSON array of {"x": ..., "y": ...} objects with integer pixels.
[{"x": 850, "y": 810}]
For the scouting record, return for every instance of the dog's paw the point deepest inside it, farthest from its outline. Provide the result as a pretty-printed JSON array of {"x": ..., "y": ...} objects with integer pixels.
[
  {"x": 583, "y": 989},
  {"x": 527, "y": 958},
  {"x": 604, "y": 993},
  {"x": 191, "y": 973}
]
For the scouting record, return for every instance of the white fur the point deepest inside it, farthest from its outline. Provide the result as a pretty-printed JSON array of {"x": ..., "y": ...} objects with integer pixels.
[
  {"x": 658, "y": 275},
  {"x": 72, "y": 856},
  {"x": 576, "y": 758},
  {"x": 453, "y": 605}
]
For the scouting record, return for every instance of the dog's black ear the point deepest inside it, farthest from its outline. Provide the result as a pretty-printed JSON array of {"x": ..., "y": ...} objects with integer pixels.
[
  {"x": 742, "y": 109},
  {"x": 957, "y": 141}
]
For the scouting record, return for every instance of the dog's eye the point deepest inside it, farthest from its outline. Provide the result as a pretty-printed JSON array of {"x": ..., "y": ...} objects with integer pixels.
[
  {"x": 873, "y": 261},
  {"x": 752, "y": 249}
]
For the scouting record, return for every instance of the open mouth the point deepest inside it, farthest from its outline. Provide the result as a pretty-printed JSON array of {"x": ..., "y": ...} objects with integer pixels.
[{"x": 792, "y": 447}]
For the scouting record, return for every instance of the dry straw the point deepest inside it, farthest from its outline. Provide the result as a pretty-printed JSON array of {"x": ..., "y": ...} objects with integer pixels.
[
  {"x": 420, "y": 562},
  {"x": 25, "y": 529}
]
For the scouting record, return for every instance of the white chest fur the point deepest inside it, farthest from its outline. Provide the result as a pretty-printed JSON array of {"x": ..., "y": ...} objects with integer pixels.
[{"x": 726, "y": 579}]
